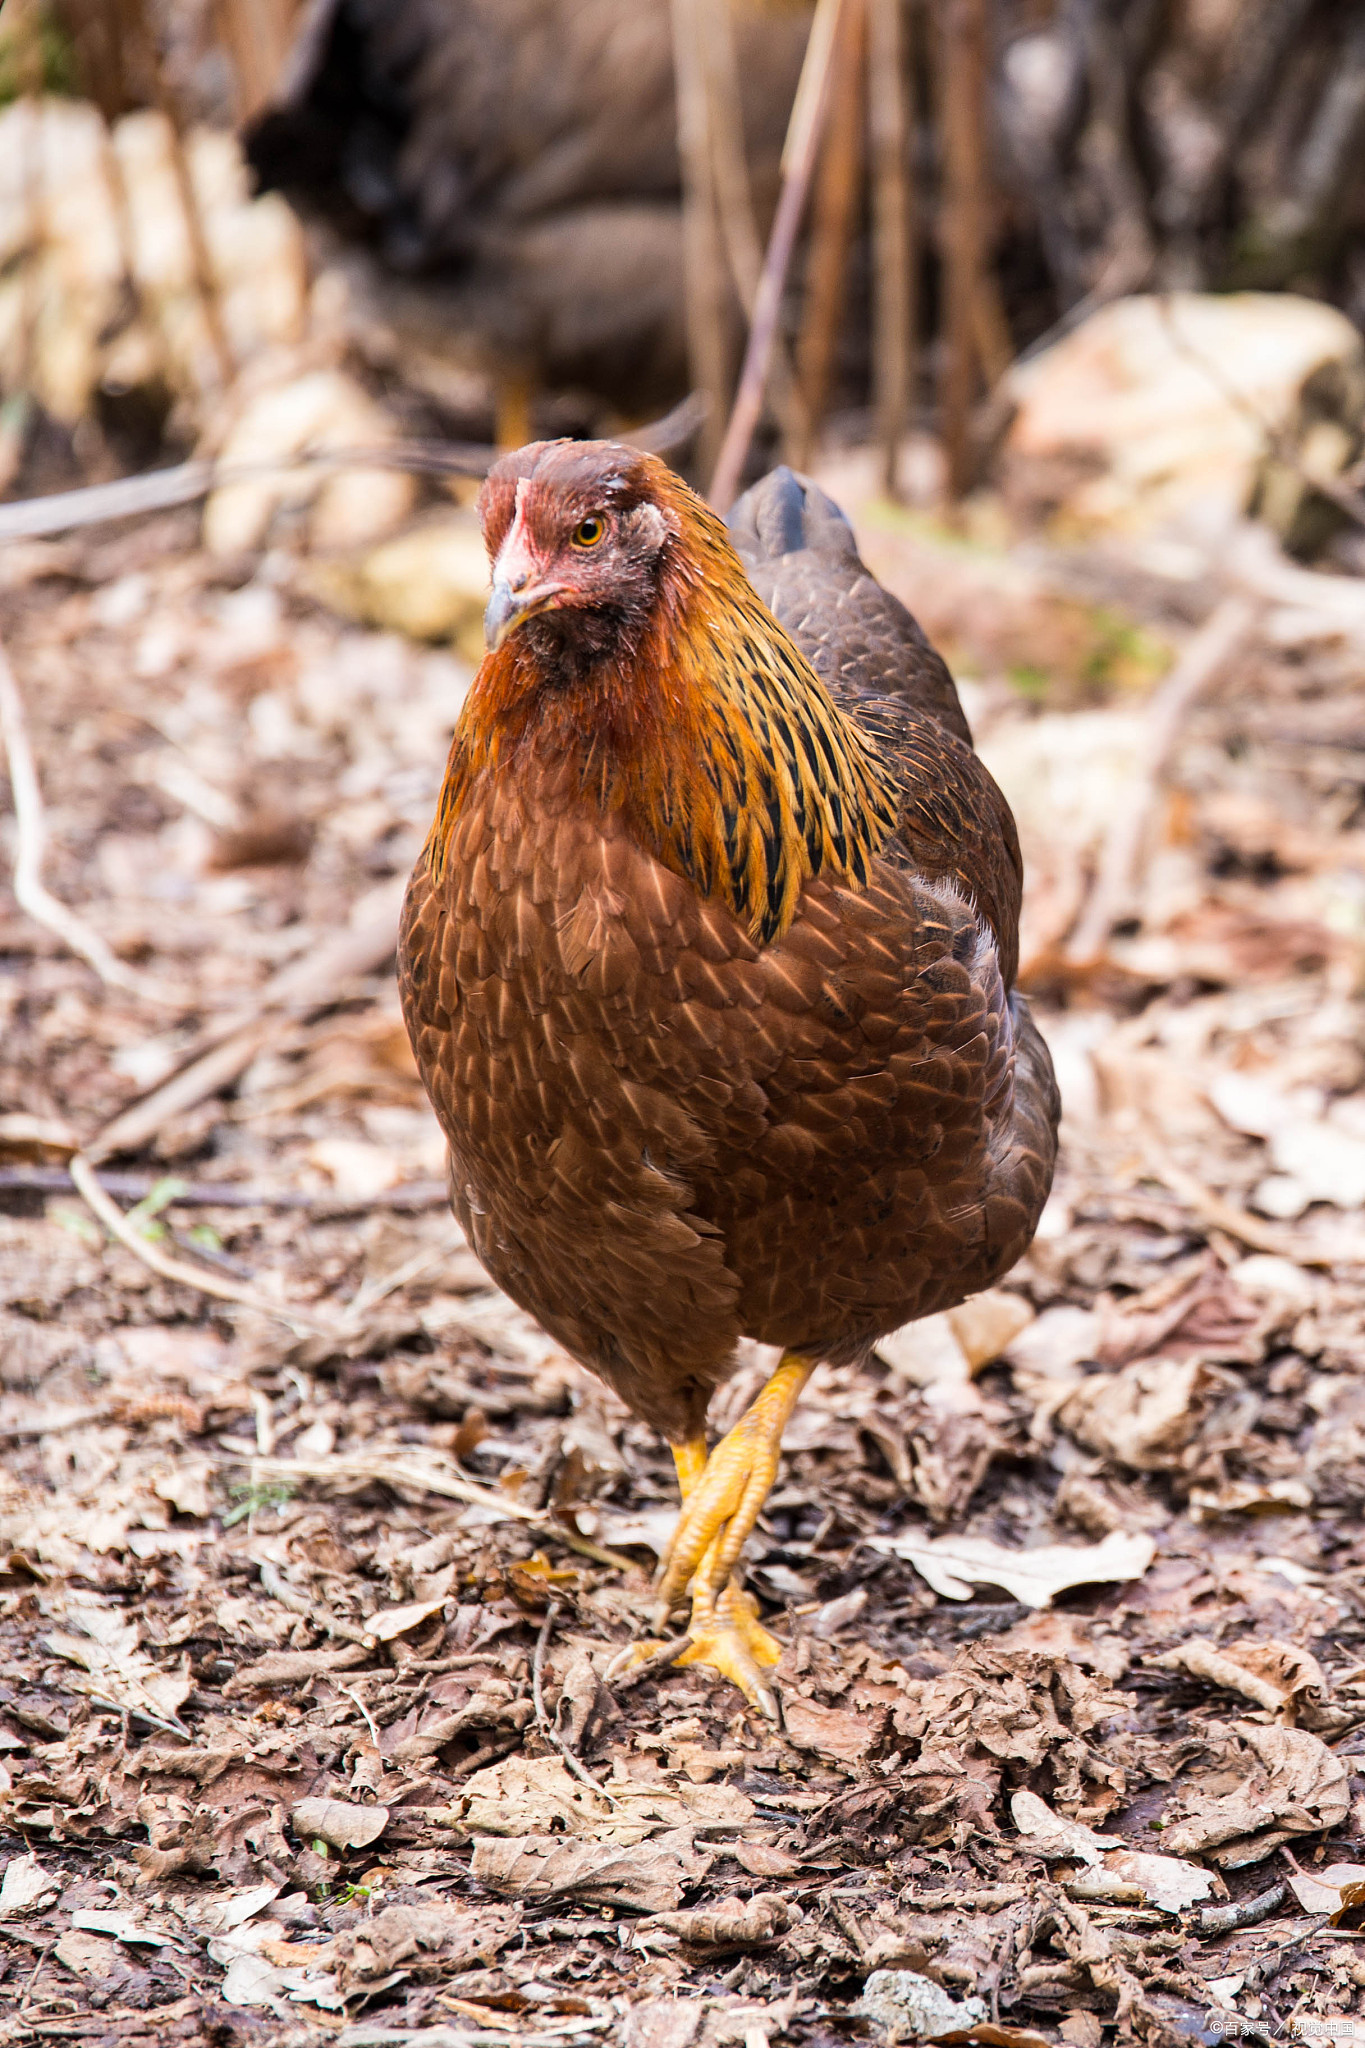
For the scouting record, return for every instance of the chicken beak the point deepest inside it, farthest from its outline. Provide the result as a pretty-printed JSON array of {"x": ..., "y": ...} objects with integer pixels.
[{"x": 512, "y": 602}]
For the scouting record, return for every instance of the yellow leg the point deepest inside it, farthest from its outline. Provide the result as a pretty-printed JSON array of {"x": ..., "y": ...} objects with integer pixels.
[
  {"x": 689, "y": 1462},
  {"x": 721, "y": 1503}
]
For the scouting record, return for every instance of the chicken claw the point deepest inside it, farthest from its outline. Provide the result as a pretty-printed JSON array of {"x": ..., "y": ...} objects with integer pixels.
[{"x": 722, "y": 1500}]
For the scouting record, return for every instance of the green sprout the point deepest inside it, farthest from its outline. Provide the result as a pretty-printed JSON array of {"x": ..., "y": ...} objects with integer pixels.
[{"x": 253, "y": 1499}]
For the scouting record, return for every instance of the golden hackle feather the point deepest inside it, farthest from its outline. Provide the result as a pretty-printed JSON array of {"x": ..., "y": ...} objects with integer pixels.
[{"x": 713, "y": 737}]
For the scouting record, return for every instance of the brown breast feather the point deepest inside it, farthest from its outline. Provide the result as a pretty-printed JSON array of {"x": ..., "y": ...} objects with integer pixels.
[{"x": 663, "y": 1137}]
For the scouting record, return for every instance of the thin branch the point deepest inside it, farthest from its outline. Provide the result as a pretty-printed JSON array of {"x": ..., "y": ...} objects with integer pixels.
[
  {"x": 798, "y": 162},
  {"x": 1219, "y": 640},
  {"x": 30, "y": 826},
  {"x": 707, "y": 321},
  {"x": 1215, "y": 1209},
  {"x": 407, "y": 1197},
  {"x": 431, "y": 1475},
  {"x": 834, "y": 217},
  {"x": 305, "y": 985},
  {"x": 160, "y": 490},
  {"x": 734, "y": 201},
  {"x": 543, "y": 1721},
  {"x": 662, "y": 1659},
  {"x": 893, "y": 230},
  {"x": 179, "y": 1270},
  {"x": 962, "y": 232},
  {"x": 366, "y": 1715}
]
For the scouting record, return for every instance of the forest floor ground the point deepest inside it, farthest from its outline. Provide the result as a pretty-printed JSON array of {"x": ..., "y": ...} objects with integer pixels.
[{"x": 309, "y": 1727}]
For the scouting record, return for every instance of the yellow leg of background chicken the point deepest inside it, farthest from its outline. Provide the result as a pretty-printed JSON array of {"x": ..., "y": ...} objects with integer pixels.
[{"x": 722, "y": 1498}]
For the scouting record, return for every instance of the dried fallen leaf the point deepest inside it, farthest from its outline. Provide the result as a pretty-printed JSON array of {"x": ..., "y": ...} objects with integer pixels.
[
  {"x": 390, "y": 1622},
  {"x": 117, "y": 1673},
  {"x": 124, "y": 1927},
  {"x": 1165, "y": 1882},
  {"x": 338, "y": 1823},
  {"x": 1053, "y": 1835},
  {"x": 735, "y": 1923},
  {"x": 537, "y": 1795},
  {"x": 1331, "y": 1890},
  {"x": 1294, "y": 1786},
  {"x": 954, "y": 1564},
  {"x": 251, "y": 1980},
  {"x": 89, "y": 1955},
  {"x": 26, "y": 1885},
  {"x": 1281, "y": 1677},
  {"x": 412, "y": 1935},
  {"x": 840, "y": 1732},
  {"x": 295, "y": 1667},
  {"x": 1146, "y": 1415},
  {"x": 764, "y": 1859},
  {"x": 650, "y": 1877}
]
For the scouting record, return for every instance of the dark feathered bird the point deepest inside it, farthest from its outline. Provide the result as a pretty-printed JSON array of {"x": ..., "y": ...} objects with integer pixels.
[
  {"x": 708, "y": 964},
  {"x": 520, "y": 157}
]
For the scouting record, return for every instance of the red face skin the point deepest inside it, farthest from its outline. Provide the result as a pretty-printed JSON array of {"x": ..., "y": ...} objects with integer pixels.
[{"x": 579, "y": 544}]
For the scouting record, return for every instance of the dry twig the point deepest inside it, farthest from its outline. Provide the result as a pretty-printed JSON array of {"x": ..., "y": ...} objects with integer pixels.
[
  {"x": 708, "y": 339},
  {"x": 1219, "y": 640},
  {"x": 833, "y": 224},
  {"x": 734, "y": 199},
  {"x": 305, "y": 985},
  {"x": 179, "y": 1270},
  {"x": 1215, "y": 1209},
  {"x": 798, "y": 162},
  {"x": 662, "y": 1659},
  {"x": 893, "y": 228},
  {"x": 543, "y": 1721},
  {"x": 30, "y": 827},
  {"x": 163, "y": 489}
]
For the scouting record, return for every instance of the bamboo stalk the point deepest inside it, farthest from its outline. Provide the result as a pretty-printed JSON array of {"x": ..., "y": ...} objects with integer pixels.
[
  {"x": 708, "y": 327},
  {"x": 962, "y": 229},
  {"x": 893, "y": 231},
  {"x": 833, "y": 224},
  {"x": 798, "y": 163}
]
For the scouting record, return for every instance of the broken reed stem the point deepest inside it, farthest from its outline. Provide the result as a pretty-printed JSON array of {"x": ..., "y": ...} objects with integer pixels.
[
  {"x": 30, "y": 832},
  {"x": 833, "y": 225},
  {"x": 1222, "y": 636},
  {"x": 894, "y": 267},
  {"x": 708, "y": 336},
  {"x": 798, "y": 163},
  {"x": 543, "y": 1721},
  {"x": 963, "y": 120}
]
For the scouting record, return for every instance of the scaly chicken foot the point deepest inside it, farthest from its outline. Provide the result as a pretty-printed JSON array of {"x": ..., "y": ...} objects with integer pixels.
[
  {"x": 721, "y": 1507},
  {"x": 722, "y": 1498}
]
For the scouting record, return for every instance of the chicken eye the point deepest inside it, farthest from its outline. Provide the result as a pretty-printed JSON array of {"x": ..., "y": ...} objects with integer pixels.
[{"x": 589, "y": 531}]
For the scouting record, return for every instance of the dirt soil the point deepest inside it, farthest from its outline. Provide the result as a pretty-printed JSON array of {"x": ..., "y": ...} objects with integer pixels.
[{"x": 317, "y": 1715}]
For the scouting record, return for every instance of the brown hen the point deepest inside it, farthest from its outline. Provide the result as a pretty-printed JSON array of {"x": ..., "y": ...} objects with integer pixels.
[{"x": 708, "y": 967}]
